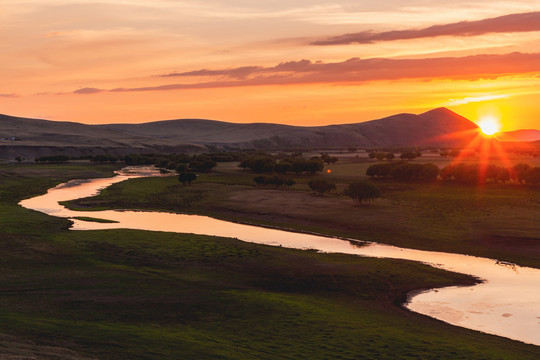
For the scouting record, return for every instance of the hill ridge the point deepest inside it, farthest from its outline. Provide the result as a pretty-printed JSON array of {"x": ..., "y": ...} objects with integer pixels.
[{"x": 436, "y": 127}]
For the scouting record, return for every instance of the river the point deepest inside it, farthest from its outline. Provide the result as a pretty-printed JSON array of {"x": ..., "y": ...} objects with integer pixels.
[{"x": 506, "y": 303}]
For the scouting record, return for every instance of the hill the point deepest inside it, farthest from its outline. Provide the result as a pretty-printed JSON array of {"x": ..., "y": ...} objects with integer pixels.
[
  {"x": 520, "y": 135},
  {"x": 30, "y": 138},
  {"x": 33, "y": 137},
  {"x": 435, "y": 127}
]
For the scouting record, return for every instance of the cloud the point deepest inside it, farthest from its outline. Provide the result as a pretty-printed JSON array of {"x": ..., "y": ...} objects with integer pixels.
[
  {"x": 352, "y": 71},
  {"x": 471, "y": 99},
  {"x": 9, "y": 95},
  {"x": 240, "y": 72},
  {"x": 88, "y": 90},
  {"x": 245, "y": 71},
  {"x": 503, "y": 24}
]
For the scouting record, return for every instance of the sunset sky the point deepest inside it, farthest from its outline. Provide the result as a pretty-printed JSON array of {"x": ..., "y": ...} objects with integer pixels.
[{"x": 295, "y": 62}]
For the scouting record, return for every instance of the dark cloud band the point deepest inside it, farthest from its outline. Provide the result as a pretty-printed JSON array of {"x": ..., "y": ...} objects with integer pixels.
[{"x": 504, "y": 24}]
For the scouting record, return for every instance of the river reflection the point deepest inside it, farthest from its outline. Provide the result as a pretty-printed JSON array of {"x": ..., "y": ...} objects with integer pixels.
[{"x": 506, "y": 304}]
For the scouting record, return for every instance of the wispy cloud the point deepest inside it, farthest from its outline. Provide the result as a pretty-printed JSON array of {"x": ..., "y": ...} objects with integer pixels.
[
  {"x": 88, "y": 90},
  {"x": 239, "y": 72},
  {"x": 245, "y": 71},
  {"x": 354, "y": 70},
  {"x": 471, "y": 99},
  {"x": 9, "y": 95},
  {"x": 503, "y": 24}
]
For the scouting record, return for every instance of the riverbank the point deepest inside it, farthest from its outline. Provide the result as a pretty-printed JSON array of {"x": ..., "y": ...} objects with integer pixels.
[{"x": 149, "y": 295}]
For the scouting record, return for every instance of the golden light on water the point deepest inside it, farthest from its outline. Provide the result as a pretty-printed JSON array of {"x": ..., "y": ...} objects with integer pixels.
[{"x": 489, "y": 125}]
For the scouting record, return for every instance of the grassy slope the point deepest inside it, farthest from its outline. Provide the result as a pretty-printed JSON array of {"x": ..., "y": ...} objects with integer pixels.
[{"x": 141, "y": 295}]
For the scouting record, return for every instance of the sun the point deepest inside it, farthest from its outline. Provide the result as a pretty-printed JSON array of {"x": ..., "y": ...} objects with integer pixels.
[{"x": 489, "y": 125}]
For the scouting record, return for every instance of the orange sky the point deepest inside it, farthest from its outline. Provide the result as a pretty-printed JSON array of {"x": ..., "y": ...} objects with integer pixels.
[{"x": 296, "y": 62}]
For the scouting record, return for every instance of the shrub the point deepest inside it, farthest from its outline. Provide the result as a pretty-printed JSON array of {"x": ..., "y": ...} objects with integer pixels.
[
  {"x": 409, "y": 155},
  {"x": 321, "y": 186},
  {"x": 187, "y": 177},
  {"x": 533, "y": 176},
  {"x": 362, "y": 191}
]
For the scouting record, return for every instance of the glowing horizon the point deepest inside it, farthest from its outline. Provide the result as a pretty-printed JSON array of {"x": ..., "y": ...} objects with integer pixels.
[{"x": 296, "y": 62}]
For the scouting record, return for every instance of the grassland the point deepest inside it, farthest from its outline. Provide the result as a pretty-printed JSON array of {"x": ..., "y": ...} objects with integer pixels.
[
  {"x": 124, "y": 294},
  {"x": 496, "y": 220}
]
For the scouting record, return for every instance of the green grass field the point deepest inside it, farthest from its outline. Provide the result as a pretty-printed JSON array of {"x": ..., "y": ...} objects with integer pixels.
[{"x": 126, "y": 294}]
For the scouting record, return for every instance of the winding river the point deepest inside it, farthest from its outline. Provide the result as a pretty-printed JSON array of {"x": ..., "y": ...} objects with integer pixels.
[{"x": 506, "y": 303}]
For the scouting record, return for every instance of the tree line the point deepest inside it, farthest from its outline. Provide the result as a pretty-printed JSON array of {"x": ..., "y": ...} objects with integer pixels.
[
  {"x": 382, "y": 155},
  {"x": 360, "y": 191},
  {"x": 459, "y": 173},
  {"x": 286, "y": 164},
  {"x": 404, "y": 171},
  {"x": 474, "y": 174}
]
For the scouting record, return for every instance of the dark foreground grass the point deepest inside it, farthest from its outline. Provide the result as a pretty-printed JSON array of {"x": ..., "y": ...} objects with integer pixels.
[{"x": 125, "y": 294}]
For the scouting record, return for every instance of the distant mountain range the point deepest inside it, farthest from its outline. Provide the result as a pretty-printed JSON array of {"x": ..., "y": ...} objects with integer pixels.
[{"x": 29, "y": 138}]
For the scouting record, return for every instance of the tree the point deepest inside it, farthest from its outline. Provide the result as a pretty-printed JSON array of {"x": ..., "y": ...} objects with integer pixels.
[
  {"x": 409, "y": 155},
  {"x": 259, "y": 180},
  {"x": 429, "y": 172},
  {"x": 381, "y": 170},
  {"x": 314, "y": 166},
  {"x": 503, "y": 175},
  {"x": 202, "y": 163},
  {"x": 533, "y": 176},
  {"x": 362, "y": 191},
  {"x": 329, "y": 159},
  {"x": 321, "y": 186},
  {"x": 519, "y": 172},
  {"x": 283, "y": 167},
  {"x": 390, "y": 156},
  {"x": 407, "y": 172},
  {"x": 491, "y": 172},
  {"x": 497, "y": 173},
  {"x": 309, "y": 166},
  {"x": 187, "y": 178},
  {"x": 259, "y": 164},
  {"x": 462, "y": 173},
  {"x": 180, "y": 168}
]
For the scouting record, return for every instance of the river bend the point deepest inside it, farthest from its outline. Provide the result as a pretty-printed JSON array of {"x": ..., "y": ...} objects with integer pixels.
[{"x": 506, "y": 303}]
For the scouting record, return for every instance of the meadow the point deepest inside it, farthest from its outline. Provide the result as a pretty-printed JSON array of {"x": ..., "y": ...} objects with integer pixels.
[
  {"x": 495, "y": 220},
  {"x": 125, "y": 294}
]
